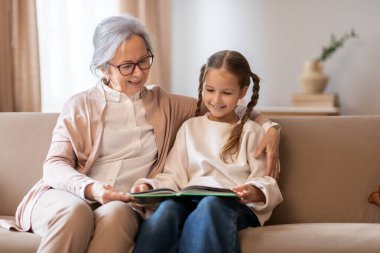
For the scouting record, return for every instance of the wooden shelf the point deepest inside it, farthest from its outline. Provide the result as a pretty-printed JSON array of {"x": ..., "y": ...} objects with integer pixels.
[{"x": 271, "y": 111}]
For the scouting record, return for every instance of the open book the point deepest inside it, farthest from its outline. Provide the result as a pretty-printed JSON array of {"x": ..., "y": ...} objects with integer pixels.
[{"x": 197, "y": 191}]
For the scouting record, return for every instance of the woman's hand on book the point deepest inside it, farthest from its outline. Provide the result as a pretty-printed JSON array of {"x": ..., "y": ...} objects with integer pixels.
[
  {"x": 249, "y": 193},
  {"x": 104, "y": 193}
]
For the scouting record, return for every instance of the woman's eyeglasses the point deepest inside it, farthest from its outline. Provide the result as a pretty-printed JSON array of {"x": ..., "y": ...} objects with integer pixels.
[{"x": 128, "y": 68}]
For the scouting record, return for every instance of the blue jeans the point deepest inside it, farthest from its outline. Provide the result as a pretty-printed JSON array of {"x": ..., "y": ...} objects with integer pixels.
[{"x": 210, "y": 224}]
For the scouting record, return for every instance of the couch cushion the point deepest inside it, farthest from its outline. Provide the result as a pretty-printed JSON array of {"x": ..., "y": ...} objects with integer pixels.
[
  {"x": 24, "y": 142},
  {"x": 310, "y": 238},
  {"x": 17, "y": 242},
  {"x": 329, "y": 165}
]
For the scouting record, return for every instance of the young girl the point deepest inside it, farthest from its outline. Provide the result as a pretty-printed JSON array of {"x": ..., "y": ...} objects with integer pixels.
[{"x": 213, "y": 150}]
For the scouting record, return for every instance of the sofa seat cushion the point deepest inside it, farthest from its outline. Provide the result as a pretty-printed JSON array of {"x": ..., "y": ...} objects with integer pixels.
[
  {"x": 17, "y": 242},
  {"x": 312, "y": 237}
]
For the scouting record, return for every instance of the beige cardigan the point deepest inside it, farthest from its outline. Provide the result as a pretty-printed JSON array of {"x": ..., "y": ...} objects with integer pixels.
[{"x": 77, "y": 134}]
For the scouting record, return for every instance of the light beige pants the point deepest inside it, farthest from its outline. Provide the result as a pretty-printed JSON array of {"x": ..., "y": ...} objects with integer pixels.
[{"x": 66, "y": 223}]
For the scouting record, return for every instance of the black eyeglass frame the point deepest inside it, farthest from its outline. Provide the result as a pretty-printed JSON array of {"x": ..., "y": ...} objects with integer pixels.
[{"x": 135, "y": 64}]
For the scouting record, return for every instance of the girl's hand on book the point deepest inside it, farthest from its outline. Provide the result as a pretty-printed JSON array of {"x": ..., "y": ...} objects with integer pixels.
[
  {"x": 141, "y": 188},
  {"x": 249, "y": 193}
]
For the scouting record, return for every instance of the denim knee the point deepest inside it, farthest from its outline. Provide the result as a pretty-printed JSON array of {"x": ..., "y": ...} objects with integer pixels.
[
  {"x": 210, "y": 203},
  {"x": 169, "y": 215},
  {"x": 169, "y": 208}
]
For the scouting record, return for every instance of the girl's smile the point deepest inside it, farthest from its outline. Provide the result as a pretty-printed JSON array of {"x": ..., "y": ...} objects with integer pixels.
[{"x": 221, "y": 95}]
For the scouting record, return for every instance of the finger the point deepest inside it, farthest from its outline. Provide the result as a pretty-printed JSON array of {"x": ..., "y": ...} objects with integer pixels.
[
  {"x": 260, "y": 149},
  {"x": 273, "y": 173},
  {"x": 112, "y": 195},
  {"x": 126, "y": 197},
  {"x": 277, "y": 171},
  {"x": 276, "y": 165},
  {"x": 238, "y": 188},
  {"x": 109, "y": 187},
  {"x": 240, "y": 194},
  {"x": 243, "y": 195},
  {"x": 134, "y": 189},
  {"x": 144, "y": 188},
  {"x": 244, "y": 198},
  {"x": 269, "y": 167},
  {"x": 119, "y": 196},
  {"x": 277, "y": 168}
]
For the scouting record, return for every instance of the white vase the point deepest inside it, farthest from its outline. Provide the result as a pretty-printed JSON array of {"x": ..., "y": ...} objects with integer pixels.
[{"x": 312, "y": 78}]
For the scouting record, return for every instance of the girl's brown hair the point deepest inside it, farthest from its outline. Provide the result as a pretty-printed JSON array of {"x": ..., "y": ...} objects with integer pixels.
[{"x": 235, "y": 63}]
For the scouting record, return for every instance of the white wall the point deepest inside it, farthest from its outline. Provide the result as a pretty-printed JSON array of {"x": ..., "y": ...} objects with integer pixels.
[{"x": 277, "y": 36}]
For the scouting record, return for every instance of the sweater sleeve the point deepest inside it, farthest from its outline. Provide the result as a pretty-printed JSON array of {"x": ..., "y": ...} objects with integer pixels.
[{"x": 59, "y": 167}]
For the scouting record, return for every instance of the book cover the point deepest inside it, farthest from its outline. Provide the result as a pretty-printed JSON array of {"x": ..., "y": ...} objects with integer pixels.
[{"x": 158, "y": 195}]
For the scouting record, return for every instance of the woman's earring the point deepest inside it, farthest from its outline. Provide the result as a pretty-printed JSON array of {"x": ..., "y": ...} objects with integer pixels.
[{"x": 105, "y": 80}]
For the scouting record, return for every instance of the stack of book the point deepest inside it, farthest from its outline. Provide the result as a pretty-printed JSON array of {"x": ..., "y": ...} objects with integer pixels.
[{"x": 314, "y": 100}]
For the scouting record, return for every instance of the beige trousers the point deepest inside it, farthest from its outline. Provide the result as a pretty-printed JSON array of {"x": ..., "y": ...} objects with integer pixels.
[{"x": 66, "y": 223}]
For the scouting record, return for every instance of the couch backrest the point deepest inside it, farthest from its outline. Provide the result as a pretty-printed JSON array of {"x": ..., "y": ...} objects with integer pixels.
[
  {"x": 24, "y": 142},
  {"x": 329, "y": 167}
]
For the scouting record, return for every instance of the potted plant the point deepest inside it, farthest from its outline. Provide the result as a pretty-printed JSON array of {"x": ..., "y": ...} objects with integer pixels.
[{"x": 313, "y": 79}]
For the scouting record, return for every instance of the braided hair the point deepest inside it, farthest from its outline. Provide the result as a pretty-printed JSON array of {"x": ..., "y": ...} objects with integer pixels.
[{"x": 235, "y": 63}]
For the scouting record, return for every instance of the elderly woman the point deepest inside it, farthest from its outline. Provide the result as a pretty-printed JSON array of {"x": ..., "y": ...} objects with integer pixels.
[{"x": 104, "y": 140}]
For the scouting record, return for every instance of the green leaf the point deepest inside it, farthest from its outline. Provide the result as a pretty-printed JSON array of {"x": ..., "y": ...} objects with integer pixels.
[{"x": 335, "y": 44}]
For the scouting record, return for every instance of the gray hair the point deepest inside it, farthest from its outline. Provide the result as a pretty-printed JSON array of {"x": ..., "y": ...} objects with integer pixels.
[{"x": 110, "y": 33}]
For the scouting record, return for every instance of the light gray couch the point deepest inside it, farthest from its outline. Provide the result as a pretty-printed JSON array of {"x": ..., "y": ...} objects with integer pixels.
[{"x": 329, "y": 167}]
